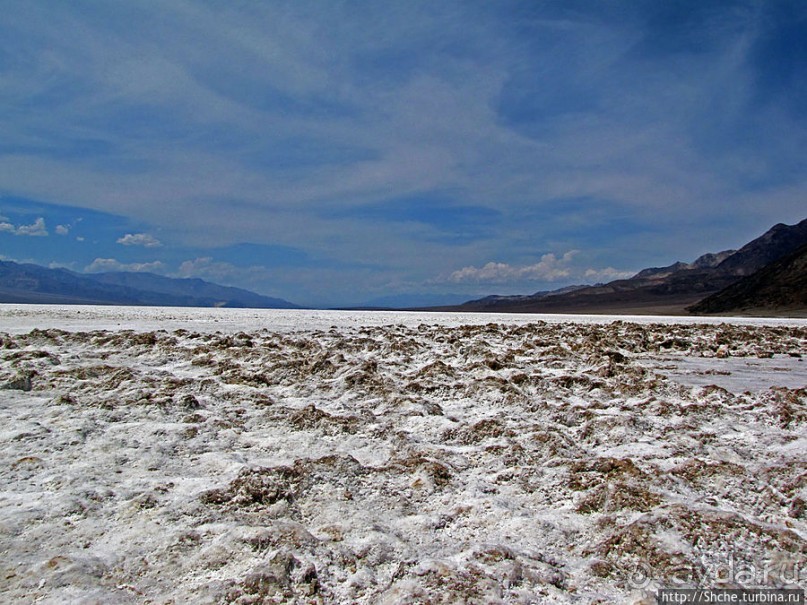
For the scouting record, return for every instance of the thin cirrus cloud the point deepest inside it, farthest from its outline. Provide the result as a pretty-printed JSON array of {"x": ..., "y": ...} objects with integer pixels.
[{"x": 396, "y": 143}]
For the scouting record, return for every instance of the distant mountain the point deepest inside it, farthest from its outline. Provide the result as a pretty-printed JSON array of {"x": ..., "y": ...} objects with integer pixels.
[
  {"x": 28, "y": 283},
  {"x": 780, "y": 285},
  {"x": 502, "y": 300},
  {"x": 192, "y": 287},
  {"x": 658, "y": 290}
]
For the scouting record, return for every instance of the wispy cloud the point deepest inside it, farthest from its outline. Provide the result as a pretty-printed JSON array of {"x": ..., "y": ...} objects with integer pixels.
[{"x": 205, "y": 266}]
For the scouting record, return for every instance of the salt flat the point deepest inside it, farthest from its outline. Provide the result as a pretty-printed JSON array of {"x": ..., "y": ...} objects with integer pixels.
[
  {"x": 21, "y": 318},
  {"x": 241, "y": 456}
]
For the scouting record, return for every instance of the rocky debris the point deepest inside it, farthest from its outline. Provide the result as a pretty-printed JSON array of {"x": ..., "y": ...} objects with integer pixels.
[{"x": 22, "y": 382}]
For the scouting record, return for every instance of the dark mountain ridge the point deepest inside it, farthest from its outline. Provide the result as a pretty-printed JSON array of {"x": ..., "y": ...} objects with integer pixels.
[
  {"x": 778, "y": 286},
  {"x": 779, "y": 241}
]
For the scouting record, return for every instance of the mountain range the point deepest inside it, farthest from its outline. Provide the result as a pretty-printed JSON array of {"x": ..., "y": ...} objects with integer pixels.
[
  {"x": 765, "y": 276},
  {"x": 28, "y": 283}
]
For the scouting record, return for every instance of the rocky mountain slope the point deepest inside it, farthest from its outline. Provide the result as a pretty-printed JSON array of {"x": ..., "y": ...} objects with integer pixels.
[
  {"x": 779, "y": 285},
  {"x": 28, "y": 283}
]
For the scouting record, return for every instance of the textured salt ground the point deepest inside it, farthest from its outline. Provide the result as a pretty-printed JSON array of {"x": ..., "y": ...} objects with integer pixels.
[{"x": 491, "y": 463}]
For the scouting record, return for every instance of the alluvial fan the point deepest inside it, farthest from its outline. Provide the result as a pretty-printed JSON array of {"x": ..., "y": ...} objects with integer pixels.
[{"x": 392, "y": 464}]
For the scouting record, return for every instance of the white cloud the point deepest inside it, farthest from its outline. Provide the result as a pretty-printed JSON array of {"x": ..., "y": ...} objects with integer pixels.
[
  {"x": 36, "y": 229},
  {"x": 110, "y": 264},
  {"x": 139, "y": 239},
  {"x": 550, "y": 268},
  {"x": 62, "y": 229}
]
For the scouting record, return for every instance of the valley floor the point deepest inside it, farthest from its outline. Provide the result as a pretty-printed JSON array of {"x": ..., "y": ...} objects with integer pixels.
[{"x": 172, "y": 456}]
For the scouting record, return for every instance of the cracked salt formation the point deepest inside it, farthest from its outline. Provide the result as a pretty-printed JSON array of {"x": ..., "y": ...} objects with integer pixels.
[{"x": 513, "y": 463}]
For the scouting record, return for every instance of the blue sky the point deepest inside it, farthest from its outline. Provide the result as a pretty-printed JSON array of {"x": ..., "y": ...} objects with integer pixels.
[{"x": 334, "y": 152}]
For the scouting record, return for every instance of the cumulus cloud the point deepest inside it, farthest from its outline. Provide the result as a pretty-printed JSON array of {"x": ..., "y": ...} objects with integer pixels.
[
  {"x": 207, "y": 267},
  {"x": 192, "y": 267},
  {"x": 62, "y": 229},
  {"x": 36, "y": 229},
  {"x": 139, "y": 239},
  {"x": 549, "y": 268},
  {"x": 100, "y": 265}
]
